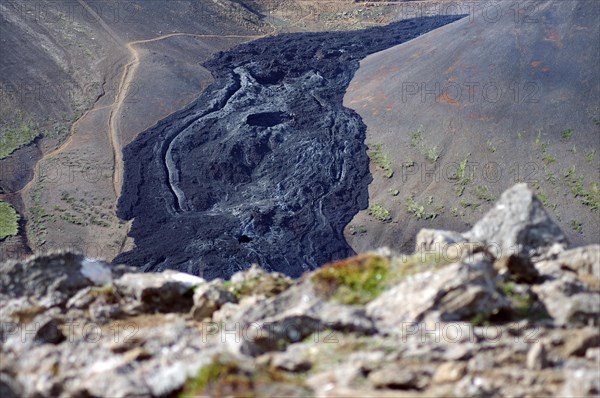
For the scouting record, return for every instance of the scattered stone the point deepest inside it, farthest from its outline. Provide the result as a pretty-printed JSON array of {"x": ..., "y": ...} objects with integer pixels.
[
  {"x": 473, "y": 386},
  {"x": 433, "y": 240},
  {"x": 50, "y": 280},
  {"x": 580, "y": 341},
  {"x": 294, "y": 359},
  {"x": 49, "y": 332},
  {"x": 568, "y": 303},
  {"x": 581, "y": 383},
  {"x": 9, "y": 387},
  {"x": 397, "y": 377},
  {"x": 537, "y": 357},
  {"x": 449, "y": 372},
  {"x": 208, "y": 298},
  {"x": 169, "y": 291},
  {"x": 582, "y": 262}
]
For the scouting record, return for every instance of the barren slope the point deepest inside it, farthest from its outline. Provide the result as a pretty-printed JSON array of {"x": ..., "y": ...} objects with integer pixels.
[{"x": 514, "y": 98}]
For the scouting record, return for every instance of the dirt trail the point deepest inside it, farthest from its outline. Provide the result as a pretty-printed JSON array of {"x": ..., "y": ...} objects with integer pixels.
[
  {"x": 58, "y": 150},
  {"x": 129, "y": 74}
]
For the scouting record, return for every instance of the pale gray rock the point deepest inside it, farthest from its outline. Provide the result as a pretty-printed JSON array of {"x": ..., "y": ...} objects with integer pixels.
[
  {"x": 449, "y": 372},
  {"x": 474, "y": 386},
  {"x": 433, "y": 240},
  {"x": 208, "y": 298},
  {"x": 582, "y": 262},
  {"x": 397, "y": 377},
  {"x": 9, "y": 387},
  {"x": 568, "y": 303},
  {"x": 578, "y": 342},
  {"x": 51, "y": 279},
  {"x": 518, "y": 225},
  {"x": 296, "y": 358},
  {"x": 168, "y": 291},
  {"x": 454, "y": 292},
  {"x": 537, "y": 357},
  {"x": 296, "y": 313},
  {"x": 581, "y": 383}
]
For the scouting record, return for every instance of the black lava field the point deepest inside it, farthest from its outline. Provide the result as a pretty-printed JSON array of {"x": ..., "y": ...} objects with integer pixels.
[{"x": 266, "y": 166}]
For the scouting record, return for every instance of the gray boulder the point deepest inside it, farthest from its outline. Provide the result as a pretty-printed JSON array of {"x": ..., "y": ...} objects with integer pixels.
[
  {"x": 168, "y": 291},
  {"x": 455, "y": 292},
  {"x": 208, "y": 298},
  {"x": 52, "y": 279},
  {"x": 518, "y": 225}
]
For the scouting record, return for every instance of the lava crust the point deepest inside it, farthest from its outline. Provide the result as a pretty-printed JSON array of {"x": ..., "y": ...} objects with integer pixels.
[{"x": 266, "y": 166}]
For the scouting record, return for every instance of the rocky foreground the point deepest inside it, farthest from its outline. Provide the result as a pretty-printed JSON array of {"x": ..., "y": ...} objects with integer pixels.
[{"x": 505, "y": 309}]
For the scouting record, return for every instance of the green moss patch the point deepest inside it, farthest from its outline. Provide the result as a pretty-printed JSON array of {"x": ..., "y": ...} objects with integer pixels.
[
  {"x": 381, "y": 159},
  {"x": 356, "y": 280},
  {"x": 266, "y": 284},
  {"x": 16, "y": 135},
  {"x": 226, "y": 378},
  {"x": 380, "y": 213},
  {"x": 9, "y": 220},
  {"x": 361, "y": 279}
]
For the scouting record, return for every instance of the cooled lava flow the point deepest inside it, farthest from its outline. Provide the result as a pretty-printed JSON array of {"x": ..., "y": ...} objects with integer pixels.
[{"x": 266, "y": 166}]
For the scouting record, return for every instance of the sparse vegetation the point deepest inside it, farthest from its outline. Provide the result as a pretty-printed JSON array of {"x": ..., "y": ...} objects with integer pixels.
[
  {"x": 9, "y": 220},
  {"x": 357, "y": 229},
  {"x": 590, "y": 156},
  {"x": 491, "y": 146},
  {"x": 567, "y": 134},
  {"x": 81, "y": 212},
  {"x": 361, "y": 279},
  {"x": 570, "y": 172},
  {"x": 417, "y": 138},
  {"x": 418, "y": 141},
  {"x": 432, "y": 154},
  {"x": 548, "y": 160},
  {"x": 483, "y": 193},
  {"x": 461, "y": 177},
  {"x": 577, "y": 226},
  {"x": 468, "y": 204},
  {"x": 225, "y": 377},
  {"x": 380, "y": 213},
  {"x": 419, "y": 211},
  {"x": 381, "y": 159},
  {"x": 551, "y": 178}
]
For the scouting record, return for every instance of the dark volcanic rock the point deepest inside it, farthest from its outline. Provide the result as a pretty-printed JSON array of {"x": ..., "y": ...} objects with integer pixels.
[{"x": 266, "y": 166}]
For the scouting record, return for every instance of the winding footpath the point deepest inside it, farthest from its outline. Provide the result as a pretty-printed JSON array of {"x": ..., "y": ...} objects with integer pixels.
[{"x": 129, "y": 73}]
